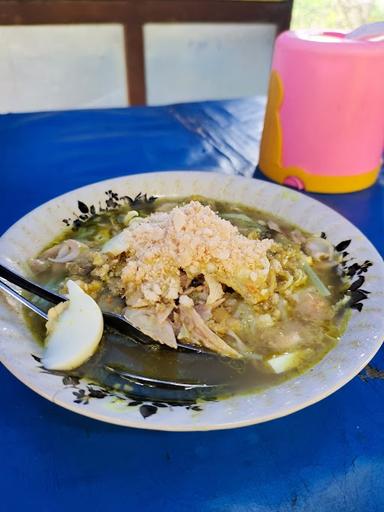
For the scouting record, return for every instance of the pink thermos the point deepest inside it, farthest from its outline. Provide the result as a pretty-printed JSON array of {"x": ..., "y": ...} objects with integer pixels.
[{"x": 324, "y": 124}]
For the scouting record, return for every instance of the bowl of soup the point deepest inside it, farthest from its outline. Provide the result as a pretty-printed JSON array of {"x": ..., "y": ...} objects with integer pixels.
[{"x": 282, "y": 294}]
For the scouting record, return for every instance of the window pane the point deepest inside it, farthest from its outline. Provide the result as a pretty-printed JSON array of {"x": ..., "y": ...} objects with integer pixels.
[
  {"x": 61, "y": 67},
  {"x": 197, "y": 61}
]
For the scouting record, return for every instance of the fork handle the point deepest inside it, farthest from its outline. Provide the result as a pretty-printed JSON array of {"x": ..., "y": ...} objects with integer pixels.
[{"x": 19, "y": 280}]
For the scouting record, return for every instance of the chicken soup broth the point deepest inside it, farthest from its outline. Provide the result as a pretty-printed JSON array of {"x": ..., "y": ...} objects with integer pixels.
[{"x": 266, "y": 296}]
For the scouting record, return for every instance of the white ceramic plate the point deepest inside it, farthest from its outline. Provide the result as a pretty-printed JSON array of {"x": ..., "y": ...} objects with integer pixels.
[{"x": 358, "y": 345}]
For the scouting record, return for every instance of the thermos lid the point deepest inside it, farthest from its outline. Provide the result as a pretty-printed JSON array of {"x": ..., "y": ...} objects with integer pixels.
[{"x": 327, "y": 40}]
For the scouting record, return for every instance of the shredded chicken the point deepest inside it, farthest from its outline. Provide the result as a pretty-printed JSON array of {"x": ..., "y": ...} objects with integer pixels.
[
  {"x": 198, "y": 332},
  {"x": 215, "y": 289},
  {"x": 149, "y": 324}
]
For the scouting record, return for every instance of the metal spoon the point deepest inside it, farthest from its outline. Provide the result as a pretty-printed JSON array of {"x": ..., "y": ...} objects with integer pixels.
[
  {"x": 367, "y": 31},
  {"x": 139, "y": 380},
  {"x": 13, "y": 293},
  {"x": 114, "y": 320}
]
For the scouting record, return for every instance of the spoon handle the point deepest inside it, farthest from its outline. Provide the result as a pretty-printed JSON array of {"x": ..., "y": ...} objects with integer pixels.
[
  {"x": 19, "y": 280},
  {"x": 23, "y": 300},
  {"x": 367, "y": 31}
]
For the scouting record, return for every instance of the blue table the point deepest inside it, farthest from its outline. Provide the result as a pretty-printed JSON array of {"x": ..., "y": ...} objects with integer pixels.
[{"x": 328, "y": 457}]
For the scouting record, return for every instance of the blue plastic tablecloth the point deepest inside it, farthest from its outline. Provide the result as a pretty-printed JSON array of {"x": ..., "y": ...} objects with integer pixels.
[{"x": 328, "y": 457}]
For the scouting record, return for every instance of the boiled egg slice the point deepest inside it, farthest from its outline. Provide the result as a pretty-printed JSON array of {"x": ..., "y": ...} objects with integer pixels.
[{"x": 74, "y": 330}]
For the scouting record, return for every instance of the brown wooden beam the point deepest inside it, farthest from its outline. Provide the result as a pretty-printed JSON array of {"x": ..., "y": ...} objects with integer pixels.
[
  {"x": 213, "y": 11},
  {"x": 134, "y": 54},
  {"x": 62, "y": 12},
  {"x": 34, "y": 12}
]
